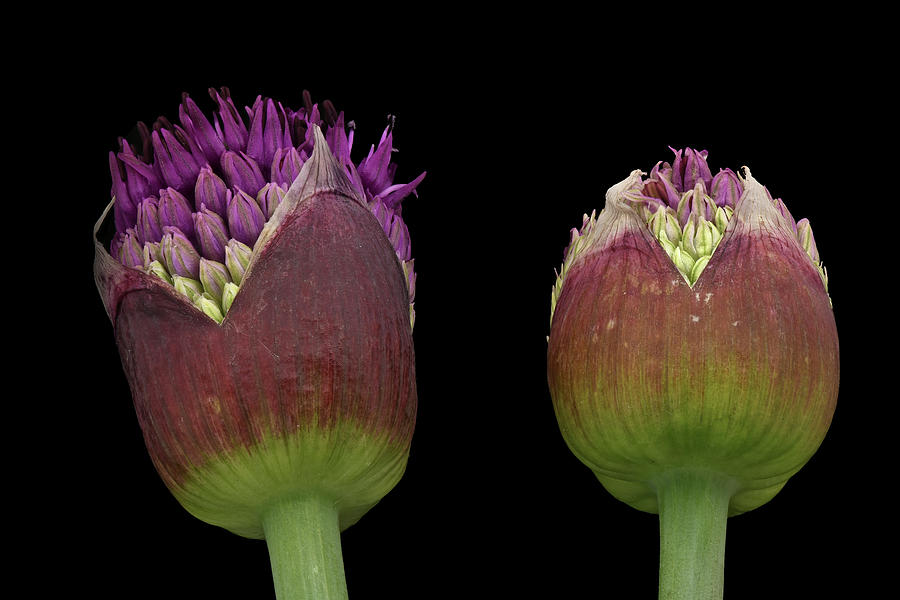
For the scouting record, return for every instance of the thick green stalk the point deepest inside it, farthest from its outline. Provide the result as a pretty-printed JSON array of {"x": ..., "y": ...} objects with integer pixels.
[
  {"x": 304, "y": 541},
  {"x": 693, "y": 511}
]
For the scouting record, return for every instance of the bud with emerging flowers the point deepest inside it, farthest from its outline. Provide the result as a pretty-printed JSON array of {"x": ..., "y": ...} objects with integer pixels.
[
  {"x": 693, "y": 376},
  {"x": 269, "y": 350}
]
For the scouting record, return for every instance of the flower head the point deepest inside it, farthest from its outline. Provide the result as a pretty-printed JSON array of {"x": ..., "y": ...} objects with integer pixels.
[
  {"x": 260, "y": 285},
  {"x": 221, "y": 178}
]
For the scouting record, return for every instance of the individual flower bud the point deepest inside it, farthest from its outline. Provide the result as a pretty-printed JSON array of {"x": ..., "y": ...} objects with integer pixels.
[
  {"x": 178, "y": 157},
  {"x": 156, "y": 268},
  {"x": 180, "y": 256},
  {"x": 268, "y": 198},
  {"x": 689, "y": 168},
  {"x": 131, "y": 254},
  {"x": 807, "y": 241},
  {"x": 190, "y": 288},
  {"x": 213, "y": 276},
  {"x": 211, "y": 233},
  {"x": 175, "y": 211},
  {"x": 242, "y": 172},
  {"x": 693, "y": 382},
  {"x": 237, "y": 259},
  {"x": 210, "y": 191},
  {"x": 286, "y": 165},
  {"x": 203, "y": 133},
  {"x": 268, "y": 131},
  {"x": 209, "y": 306},
  {"x": 726, "y": 188},
  {"x": 149, "y": 226},
  {"x": 245, "y": 217},
  {"x": 228, "y": 294},
  {"x": 152, "y": 252}
]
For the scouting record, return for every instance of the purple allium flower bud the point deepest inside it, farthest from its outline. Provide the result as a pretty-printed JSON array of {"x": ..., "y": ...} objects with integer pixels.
[
  {"x": 130, "y": 252},
  {"x": 269, "y": 197},
  {"x": 229, "y": 124},
  {"x": 245, "y": 217},
  {"x": 689, "y": 167},
  {"x": 177, "y": 158},
  {"x": 242, "y": 172},
  {"x": 268, "y": 131},
  {"x": 174, "y": 210},
  {"x": 181, "y": 258},
  {"x": 726, "y": 188},
  {"x": 210, "y": 190},
  {"x": 149, "y": 226},
  {"x": 213, "y": 276},
  {"x": 201, "y": 130},
  {"x": 286, "y": 165},
  {"x": 211, "y": 234}
]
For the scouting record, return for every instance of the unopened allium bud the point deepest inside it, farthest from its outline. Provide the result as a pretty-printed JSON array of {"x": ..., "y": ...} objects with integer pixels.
[
  {"x": 694, "y": 376},
  {"x": 266, "y": 334}
]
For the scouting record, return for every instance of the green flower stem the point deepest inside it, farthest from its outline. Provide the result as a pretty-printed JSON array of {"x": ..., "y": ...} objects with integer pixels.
[
  {"x": 693, "y": 511},
  {"x": 304, "y": 541}
]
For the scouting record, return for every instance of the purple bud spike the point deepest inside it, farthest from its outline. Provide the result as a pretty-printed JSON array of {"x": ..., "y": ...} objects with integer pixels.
[
  {"x": 375, "y": 170},
  {"x": 201, "y": 130},
  {"x": 268, "y": 198},
  {"x": 148, "y": 225},
  {"x": 176, "y": 158},
  {"x": 125, "y": 208},
  {"x": 210, "y": 191},
  {"x": 286, "y": 165},
  {"x": 130, "y": 252},
  {"x": 211, "y": 234},
  {"x": 242, "y": 172},
  {"x": 268, "y": 131},
  {"x": 175, "y": 211},
  {"x": 689, "y": 167},
  {"x": 393, "y": 195},
  {"x": 180, "y": 256},
  {"x": 726, "y": 188},
  {"x": 245, "y": 218},
  {"x": 231, "y": 129}
]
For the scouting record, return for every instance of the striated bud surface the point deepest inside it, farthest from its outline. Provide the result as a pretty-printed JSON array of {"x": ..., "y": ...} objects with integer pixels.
[
  {"x": 694, "y": 336},
  {"x": 276, "y": 366}
]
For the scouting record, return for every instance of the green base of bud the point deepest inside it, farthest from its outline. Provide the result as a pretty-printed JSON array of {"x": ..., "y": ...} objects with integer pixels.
[{"x": 342, "y": 464}]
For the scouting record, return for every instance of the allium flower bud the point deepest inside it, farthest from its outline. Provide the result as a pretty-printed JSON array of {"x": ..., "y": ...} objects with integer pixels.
[
  {"x": 693, "y": 376},
  {"x": 237, "y": 259},
  {"x": 270, "y": 353},
  {"x": 210, "y": 191},
  {"x": 245, "y": 217},
  {"x": 211, "y": 233}
]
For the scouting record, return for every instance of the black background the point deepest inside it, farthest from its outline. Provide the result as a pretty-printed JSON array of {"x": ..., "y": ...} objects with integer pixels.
[{"x": 519, "y": 137}]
